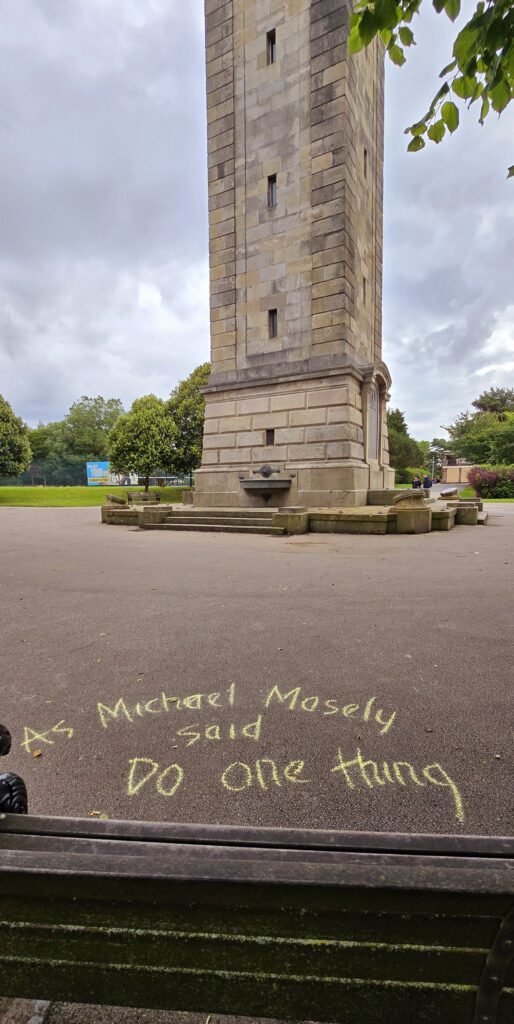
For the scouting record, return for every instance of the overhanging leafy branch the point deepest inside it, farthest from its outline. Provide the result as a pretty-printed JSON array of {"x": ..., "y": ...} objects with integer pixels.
[{"x": 481, "y": 70}]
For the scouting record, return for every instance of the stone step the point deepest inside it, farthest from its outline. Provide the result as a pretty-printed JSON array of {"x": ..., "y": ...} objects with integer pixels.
[
  {"x": 219, "y": 520},
  {"x": 482, "y": 518},
  {"x": 224, "y": 513},
  {"x": 271, "y": 531}
]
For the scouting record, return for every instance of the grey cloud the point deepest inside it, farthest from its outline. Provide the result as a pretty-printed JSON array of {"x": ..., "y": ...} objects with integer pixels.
[
  {"x": 102, "y": 192},
  {"x": 449, "y": 226},
  {"x": 103, "y": 208}
]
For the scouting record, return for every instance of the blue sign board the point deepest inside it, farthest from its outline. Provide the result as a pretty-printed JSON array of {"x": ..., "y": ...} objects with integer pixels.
[{"x": 98, "y": 474}]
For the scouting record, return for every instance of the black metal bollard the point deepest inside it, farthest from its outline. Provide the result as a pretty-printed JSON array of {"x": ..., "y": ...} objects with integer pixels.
[{"x": 13, "y": 792}]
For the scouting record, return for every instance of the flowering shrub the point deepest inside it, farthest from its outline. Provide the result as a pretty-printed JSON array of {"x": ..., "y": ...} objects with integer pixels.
[{"x": 492, "y": 481}]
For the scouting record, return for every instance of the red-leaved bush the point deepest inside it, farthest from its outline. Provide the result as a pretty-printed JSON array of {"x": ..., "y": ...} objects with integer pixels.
[{"x": 492, "y": 481}]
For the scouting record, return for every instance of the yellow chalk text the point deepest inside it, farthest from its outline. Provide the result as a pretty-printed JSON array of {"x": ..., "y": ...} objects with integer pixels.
[
  {"x": 143, "y": 769},
  {"x": 164, "y": 704},
  {"x": 294, "y": 700},
  {"x": 359, "y": 771},
  {"x": 31, "y": 736},
  {"x": 263, "y": 774},
  {"x": 195, "y": 733}
]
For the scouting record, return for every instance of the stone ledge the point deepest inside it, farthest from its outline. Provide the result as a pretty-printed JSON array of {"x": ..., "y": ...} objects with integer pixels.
[
  {"x": 114, "y": 515},
  {"x": 466, "y": 515},
  {"x": 443, "y": 518},
  {"x": 385, "y": 497}
]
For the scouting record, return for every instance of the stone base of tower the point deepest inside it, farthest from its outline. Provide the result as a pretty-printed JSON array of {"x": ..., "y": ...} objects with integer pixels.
[
  {"x": 321, "y": 441},
  {"x": 344, "y": 486}
]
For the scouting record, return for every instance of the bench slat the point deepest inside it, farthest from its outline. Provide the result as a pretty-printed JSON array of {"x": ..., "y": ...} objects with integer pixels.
[
  {"x": 325, "y": 999},
  {"x": 292, "y": 956},
  {"x": 370, "y": 925},
  {"x": 232, "y": 835},
  {"x": 482, "y": 878},
  {"x": 293, "y": 926}
]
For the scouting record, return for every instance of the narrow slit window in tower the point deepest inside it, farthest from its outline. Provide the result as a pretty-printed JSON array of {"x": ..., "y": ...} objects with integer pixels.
[
  {"x": 272, "y": 190},
  {"x": 273, "y": 323},
  {"x": 271, "y": 46},
  {"x": 365, "y": 163},
  {"x": 364, "y": 290},
  {"x": 270, "y": 437}
]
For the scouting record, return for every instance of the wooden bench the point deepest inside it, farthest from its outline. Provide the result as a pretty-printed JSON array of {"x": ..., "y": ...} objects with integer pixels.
[
  {"x": 143, "y": 497},
  {"x": 325, "y": 926}
]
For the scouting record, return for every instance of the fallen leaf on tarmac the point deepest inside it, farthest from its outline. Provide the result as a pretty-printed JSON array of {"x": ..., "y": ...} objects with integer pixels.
[
  {"x": 37, "y": 753},
  {"x": 103, "y": 634},
  {"x": 98, "y": 814}
]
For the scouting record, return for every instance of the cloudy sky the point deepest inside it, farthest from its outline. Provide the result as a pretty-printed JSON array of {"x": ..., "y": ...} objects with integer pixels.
[{"x": 103, "y": 216}]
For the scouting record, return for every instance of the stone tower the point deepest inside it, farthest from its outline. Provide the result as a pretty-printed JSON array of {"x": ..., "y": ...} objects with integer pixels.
[{"x": 295, "y": 131}]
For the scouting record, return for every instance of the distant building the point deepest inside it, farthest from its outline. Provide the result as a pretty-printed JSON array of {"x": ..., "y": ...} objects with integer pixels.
[{"x": 455, "y": 471}]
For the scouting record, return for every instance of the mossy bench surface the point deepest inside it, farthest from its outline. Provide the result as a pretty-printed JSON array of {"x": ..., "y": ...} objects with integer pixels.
[{"x": 327, "y": 926}]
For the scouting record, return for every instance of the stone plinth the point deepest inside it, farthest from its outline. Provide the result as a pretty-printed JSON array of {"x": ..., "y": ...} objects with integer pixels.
[
  {"x": 115, "y": 515},
  {"x": 413, "y": 515},
  {"x": 292, "y": 520},
  {"x": 467, "y": 515},
  {"x": 360, "y": 520},
  {"x": 318, "y": 429}
]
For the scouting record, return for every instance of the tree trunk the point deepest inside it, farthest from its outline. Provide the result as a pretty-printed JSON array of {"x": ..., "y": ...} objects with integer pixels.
[{"x": 147, "y": 484}]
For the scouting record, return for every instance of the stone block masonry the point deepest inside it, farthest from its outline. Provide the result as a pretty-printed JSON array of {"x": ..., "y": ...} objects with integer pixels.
[{"x": 295, "y": 141}]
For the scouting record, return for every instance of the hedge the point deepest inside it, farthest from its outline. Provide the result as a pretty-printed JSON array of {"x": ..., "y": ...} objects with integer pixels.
[
  {"x": 492, "y": 481},
  {"x": 406, "y": 476}
]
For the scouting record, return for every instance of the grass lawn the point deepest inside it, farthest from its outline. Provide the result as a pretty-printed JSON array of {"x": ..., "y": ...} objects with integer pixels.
[
  {"x": 73, "y": 497},
  {"x": 469, "y": 493}
]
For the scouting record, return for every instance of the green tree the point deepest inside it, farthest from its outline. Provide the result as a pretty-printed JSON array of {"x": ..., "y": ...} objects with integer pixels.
[
  {"x": 53, "y": 461},
  {"x": 502, "y": 442},
  {"x": 499, "y": 400},
  {"x": 472, "y": 434},
  {"x": 404, "y": 451},
  {"x": 187, "y": 407},
  {"x": 86, "y": 427},
  {"x": 15, "y": 453},
  {"x": 481, "y": 70},
  {"x": 438, "y": 447},
  {"x": 48, "y": 441},
  {"x": 143, "y": 440},
  {"x": 396, "y": 421},
  {"x": 424, "y": 451}
]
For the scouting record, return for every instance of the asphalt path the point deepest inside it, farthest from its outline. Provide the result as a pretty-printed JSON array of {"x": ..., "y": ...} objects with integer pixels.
[{"x": 347, "y": 682}]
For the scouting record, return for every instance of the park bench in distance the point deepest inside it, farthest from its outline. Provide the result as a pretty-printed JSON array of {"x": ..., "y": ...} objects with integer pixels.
[
  {"x": 143, "y": 497},
  {"x": 299, "y": 925}
]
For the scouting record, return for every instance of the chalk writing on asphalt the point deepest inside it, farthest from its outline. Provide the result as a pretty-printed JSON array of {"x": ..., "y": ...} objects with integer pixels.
[{"x": 204, "y": 721}]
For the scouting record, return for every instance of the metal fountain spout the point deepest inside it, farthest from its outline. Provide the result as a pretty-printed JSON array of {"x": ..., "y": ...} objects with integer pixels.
[{"x": 263, "y": 486}]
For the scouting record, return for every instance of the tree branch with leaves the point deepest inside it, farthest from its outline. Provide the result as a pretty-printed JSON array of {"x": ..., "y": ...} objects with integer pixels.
[{"x": 481, "y": 70}]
